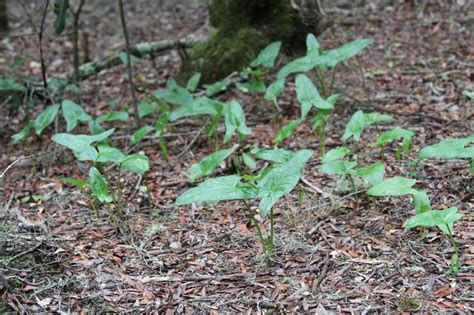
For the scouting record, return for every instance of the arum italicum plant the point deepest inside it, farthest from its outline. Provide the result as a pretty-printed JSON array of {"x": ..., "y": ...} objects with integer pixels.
[
  {"x": 333, "y": 164},
  {"x": 424, "y": 216},
  {"x": 93, "y": 150},
  {"x": 268, "y": 186},
  {"x": 450, "y": 149},
  {"x": 320, "y": 61}
]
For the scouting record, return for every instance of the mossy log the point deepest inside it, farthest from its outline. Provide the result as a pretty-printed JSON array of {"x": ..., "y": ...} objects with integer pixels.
[
  {"x": 244, "y": 27},
  {"x": 140, "y": 50}
]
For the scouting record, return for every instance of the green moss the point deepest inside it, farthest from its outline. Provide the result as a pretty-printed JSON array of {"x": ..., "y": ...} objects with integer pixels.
[
  {"x": 222, "y": 54},
  {"x": 244, "y": 27}
]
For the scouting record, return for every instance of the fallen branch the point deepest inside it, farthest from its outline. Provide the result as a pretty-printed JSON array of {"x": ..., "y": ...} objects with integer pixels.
[{"x": 142, "y": 49}]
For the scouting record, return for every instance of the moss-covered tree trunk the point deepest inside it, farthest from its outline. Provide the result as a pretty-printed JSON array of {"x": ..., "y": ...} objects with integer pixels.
[
  {"x": 244, "y": 27},
  {"x": 3, "y": 18}
]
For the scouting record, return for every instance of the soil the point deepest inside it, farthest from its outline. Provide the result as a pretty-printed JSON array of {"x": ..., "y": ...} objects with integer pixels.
[{"x": 332, "y": 254}]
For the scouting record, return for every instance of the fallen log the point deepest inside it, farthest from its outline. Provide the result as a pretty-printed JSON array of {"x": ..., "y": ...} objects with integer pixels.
[{"x": 90, "y": 69}]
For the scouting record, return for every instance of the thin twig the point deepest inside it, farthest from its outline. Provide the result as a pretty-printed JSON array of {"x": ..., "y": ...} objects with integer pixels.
[
  {"x": 26, "y": 252},
  {"x": 17, "y": 161},
  {"x": 129, "y": 63},
  {"x": 322, "y": 276},
  {"x": 76, "y": 15},
  {"x": 316, "y": 189},
  {"x": 191, "y": 143},
  {"x": 40, "y": 38}
]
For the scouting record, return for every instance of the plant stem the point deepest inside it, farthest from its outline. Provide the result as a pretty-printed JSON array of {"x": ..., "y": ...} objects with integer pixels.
[
  {"x": 321, "y": 130},
  {"x": 40, "y": 38},
  {"x": 259, "y": 231},
  {"x": 321, "y": 82},
  {"x": 274, "y": 115},
  {"x": 351, "y": 179},
  {"x": 129, "y": 62},
  {"x": 453, "y": 242},
  {"x": 333, "y": 79},
  {"x": 119, "y": 193},
  {"x": 272, "y": 233}
]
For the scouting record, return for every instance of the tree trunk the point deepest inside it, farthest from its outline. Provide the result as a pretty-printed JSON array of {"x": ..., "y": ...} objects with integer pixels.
[
  {"x": 244, "y": 27},
  {"x": 3, "y": 19}
]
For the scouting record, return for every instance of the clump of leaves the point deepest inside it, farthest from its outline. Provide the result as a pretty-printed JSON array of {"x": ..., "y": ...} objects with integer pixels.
[
  {"x": 308, "y": 96},
  {"x": 333, "y": 164},
  {"x": 425, "y": 216},
  {"x": 450, "y": 149},
  {"x": 268, "y": 186},
  {"x": 444, "y": 220},
  {"x": 392, "y": 135},
  {"x": 94, "y": 150}
]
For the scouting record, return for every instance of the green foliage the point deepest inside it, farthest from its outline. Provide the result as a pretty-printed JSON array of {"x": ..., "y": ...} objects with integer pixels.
[
  {"x": 215, "y": 189},
  {"x": 335, "y": 154},
  {"x": 274, "y": 90},
  {"x": 449, "y": 149},
  {"x": 73, "y": 113},
  {"x": 193, "y": 82},
  {"x": 81, "y": 183},
  {"x": 394, "y": 186},
  {"x": 109, "y": 154},
  {"x": 287, "y": 130},
  {"x": 24, "y": 133},
  {"x": 45, "y": 118},
  {"x": 339, "y": 167},
  {"x": 99, "y": 186},
  {"x": 133, "y": 59},
  {"x": 119, "y": 115},
  {"x": 308, "y": 95},
  {"x": 217, "y": 87},
  {"x": 249, "y": 161},
  {"x": 421, "y": 201},
  {"x": 266, "y": 58},
  {"x": 440, "y": 218},
  {"x": 316, "y": 57},
  {"x": 146, "y": 108},
  {"x": 161, "y": 123},
  {"x": 360, "y": 120},
  {"x": 278, "y": 156},
  {"x": 60, "y": 10},
  {"x": 175, "y": 94},
  {"x": 200, "y": 106},
  {"x": 235, "y": 120},
  {"x": 376, "y": 118},
  {"x": 141, "y": 133},
  {"x": 208, "y": 164},
  {"x": 355, "y": 126},
  {"x": 373, "y": 173},
  {"x": 394, "y": 134},
  {"x": 281, "y": 180},
  {"x": 136, "y": 163}
]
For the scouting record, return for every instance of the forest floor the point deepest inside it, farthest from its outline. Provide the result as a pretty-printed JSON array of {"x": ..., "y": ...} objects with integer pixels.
[{"x": 331, "y": 254}]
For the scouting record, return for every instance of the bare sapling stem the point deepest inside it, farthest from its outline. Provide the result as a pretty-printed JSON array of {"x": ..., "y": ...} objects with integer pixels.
[
  {"x": 40, "y": 38},
  {"x": 129, "y": 63},
  {"x": 75, "y": 37}
]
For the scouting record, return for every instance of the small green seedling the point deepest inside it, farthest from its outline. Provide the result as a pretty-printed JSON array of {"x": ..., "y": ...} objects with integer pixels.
[
  {"x": 359, "y": 121},
  {"x": 253, "y": 77},
  {"x": 450, "y": 149},
  {"x": 392, "y": 135},
  {"x": 333, "y": 164},
  {"x": 269, "y": 187},
  {"x": 444, "y": 220},
  {"x": 394, "y": 186},
  {"x": 92, "y": 149}
]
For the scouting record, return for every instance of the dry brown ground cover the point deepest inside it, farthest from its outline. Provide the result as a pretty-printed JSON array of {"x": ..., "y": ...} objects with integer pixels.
[{"x": 330, "y": 254}]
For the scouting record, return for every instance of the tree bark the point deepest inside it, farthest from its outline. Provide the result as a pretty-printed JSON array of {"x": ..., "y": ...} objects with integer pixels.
[
  {"x": 3, "y": 19},
  {"x": 244, "y": 27}
]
